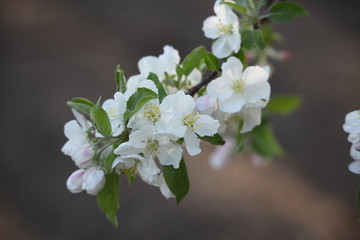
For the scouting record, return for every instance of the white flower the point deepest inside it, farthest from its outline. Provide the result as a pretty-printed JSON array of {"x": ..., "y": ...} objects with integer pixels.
[
  {"x": 75, "y": 181},
  {"x": 352, "y": 126},
  {"x": 165, "y": 63},
  {"x": 236, "y": 88},
  {"x": 115, "y": 109},
  {"x": 221, "y": 156},
  {"x": 93, "y": 180},
  {"x": 164, "y": 67},
  {"x": 75, "y": 131},
  {"x": 224, "y": 27},
  {"x": 251, "y": 114},
  {"x": 177, "y": 111},
  {"x": 151, "y": 144}
]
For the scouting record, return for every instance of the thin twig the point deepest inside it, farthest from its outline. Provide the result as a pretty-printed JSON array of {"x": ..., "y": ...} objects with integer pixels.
[{"x": 206, "y": 80}]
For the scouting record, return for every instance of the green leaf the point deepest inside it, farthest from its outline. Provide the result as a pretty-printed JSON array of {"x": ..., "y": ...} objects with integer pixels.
[
  {"x": 259, "y": 4},
  {"x": 358, "y": 202},
  {"x": 252, "y": 38},
  {"x": 101, "y": 120},
  {"x": 162, "y": 93},
  {"x": 179, "y": 72},
  {"x": 137, "y": 100},
  {"x": 240, "y": 138},
  {"x": 81, "y": 104},
  {"x": 214, "y": 140},
  {"x": 245, "y": 3},
  {"x": 286, "y": 11},
  {"x": 212, "y": 63},
  {"x": 284, "y": 104},
  {"x": 193, "y": 59},
  {"x": 242, "y": 56},
  {"x": 269, "y": 35},
  {"x": 109, "y": 161},
  {"x": 235, "y": 7},
  {"x": 177, "y": 180},
  {"x": 120, "y": 79},
  {"x": 108, "y": 197},
  {"x": 264, "y": 143}
]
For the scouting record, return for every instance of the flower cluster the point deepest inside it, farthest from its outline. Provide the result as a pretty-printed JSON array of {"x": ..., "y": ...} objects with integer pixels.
[
  {"x": 170, "y": 106},
  {"x": 352, "y": 126}
]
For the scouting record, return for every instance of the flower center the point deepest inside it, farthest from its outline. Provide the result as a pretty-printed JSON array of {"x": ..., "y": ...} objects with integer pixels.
[
  {"x": 152, "y": 146},
  {"x": 190, "y": 120},
  {"x": 152, "y": 112},
  {"x": 238, "y": 86},
  {"x": 112, "y": 112},
  {"x": 223, "y": 28}
]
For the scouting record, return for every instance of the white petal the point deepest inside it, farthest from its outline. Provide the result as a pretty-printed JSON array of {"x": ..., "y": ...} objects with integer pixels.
[
  {"x": 170, "y": 59},
  {"x": 222, "y": 48},
  {"x": 232, "y": 68},
  {"x": 138, "y": 138},
  {"x": 82, "y": 156},
  {"x": 355, "y": 167},
  {"x": 148, "y": 84},
  {"x": 210, "y": 27},
  {"x": 255, "y": 74},
  {"x": 257, "y": 91},
  {"x": 354, "y": 153},
  {"x": 225, "y": 13},
  {"x": 152, "y": 64},
  {"x": 84, "y": 123},
  {"x": 93, "y": 180},
  {"x": 68, "y": 148},
  {"x": 252, "y": 118},
  {"x": 206, "y": 104},
  {"x": 352, "y": 121},
  {"x": 164, "y": 188},
  {"x": 192, "y": 143},
  {"x": 233, "y": 104},
  {"x": 194, "y": 77},
  {"x": 206, "y": 126},
  {"x": 147, "y": 168},
  {"x": 170, "y": 154},
  {"x": 178, "y": 104},
  {"x": 219, "y": 88},
  {"x": 74, "y": 132}
]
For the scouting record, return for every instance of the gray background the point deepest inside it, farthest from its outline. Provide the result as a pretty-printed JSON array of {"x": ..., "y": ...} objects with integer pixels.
[{"x": 52, "y": 51}]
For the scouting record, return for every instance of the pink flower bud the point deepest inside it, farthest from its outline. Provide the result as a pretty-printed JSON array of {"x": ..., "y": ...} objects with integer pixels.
[
  {"x": 74, "y": 182},
  {"x": 82, "y": 156},
  {"x": 285, "y": 55},
  {"x": 93, "y": 180}
]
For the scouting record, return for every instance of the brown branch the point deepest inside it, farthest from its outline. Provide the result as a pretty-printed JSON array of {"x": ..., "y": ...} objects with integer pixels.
[{"x": 205, "y": 81}]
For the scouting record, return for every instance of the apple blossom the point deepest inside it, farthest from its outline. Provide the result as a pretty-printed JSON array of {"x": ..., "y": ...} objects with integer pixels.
[
  {"x": 236, "y": 88},
  {"x": 224, "y": 27},
  {"x": 177, "y": 111}
]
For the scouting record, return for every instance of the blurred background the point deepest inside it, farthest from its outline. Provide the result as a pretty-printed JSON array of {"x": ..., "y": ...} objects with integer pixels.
[{"x": 52, "y": 51}]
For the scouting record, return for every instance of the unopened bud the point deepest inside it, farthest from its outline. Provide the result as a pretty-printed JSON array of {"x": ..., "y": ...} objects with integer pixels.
[{"x": 74, "y": 182}]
